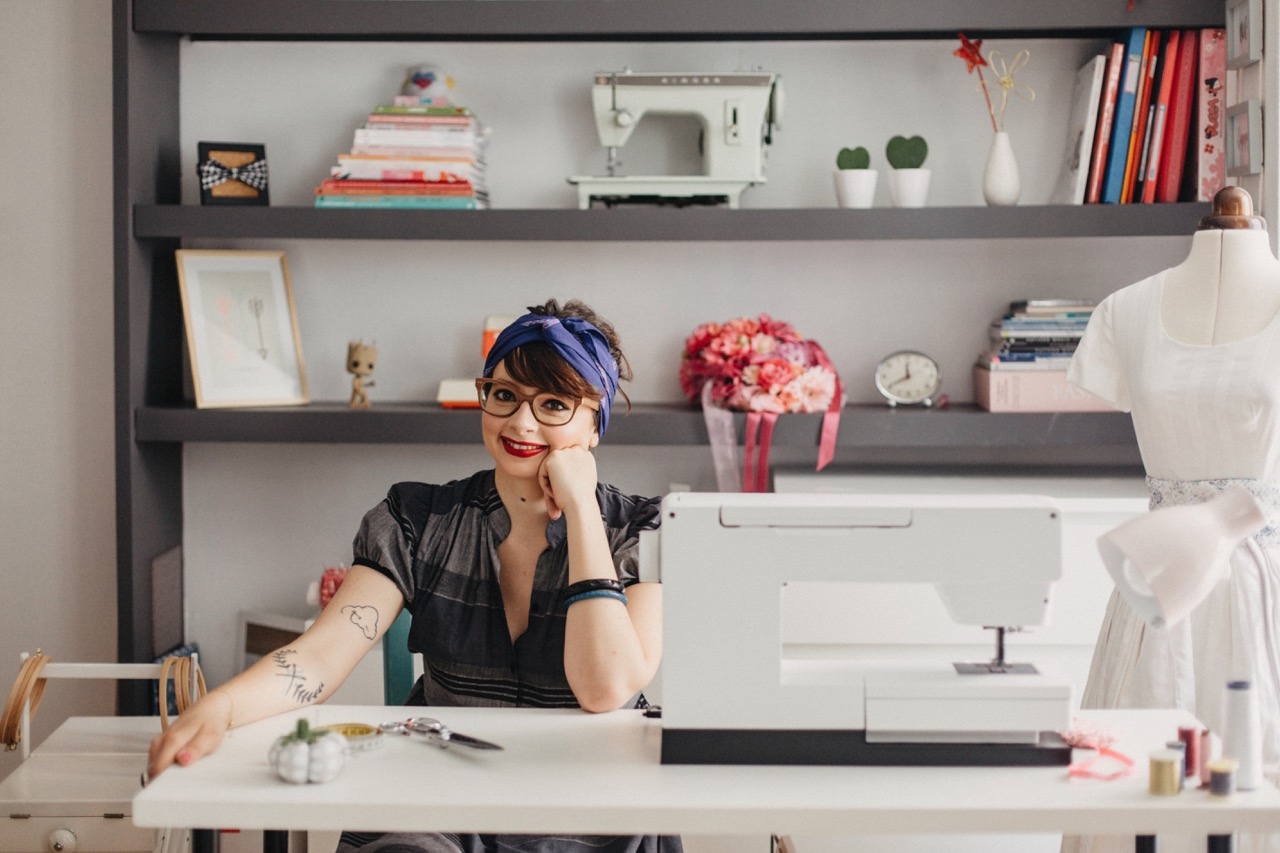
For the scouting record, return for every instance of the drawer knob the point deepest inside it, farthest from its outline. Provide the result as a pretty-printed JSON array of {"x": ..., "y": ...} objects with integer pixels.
[{"x": 62, "y": 841}]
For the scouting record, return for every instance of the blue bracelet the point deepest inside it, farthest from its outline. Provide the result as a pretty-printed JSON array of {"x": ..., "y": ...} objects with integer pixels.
[{"x": 595, "y": 593}]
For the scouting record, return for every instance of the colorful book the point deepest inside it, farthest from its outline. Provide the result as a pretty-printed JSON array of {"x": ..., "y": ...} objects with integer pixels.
[
  {"x": 397, "y": 201},
  {"x": 343, "y": 186},
  {"x": 1032, "y": 391},
  {"x": 438, "y": 152},
  {"x": 374, "y": 168},
  {"x": 1210, "y": 162},
  {"x": 1081, "y": 127},
  {"x": 1168, "y": 71},
  {"x": 1173, "y": 153},
  {"x": 1106, "y": 120},
  {"x": 443, "y": 137},
  {"x": 1126, "y": 100},
  {"x": 1150, "y": 53},
  {"x": 419, "y": 109}
]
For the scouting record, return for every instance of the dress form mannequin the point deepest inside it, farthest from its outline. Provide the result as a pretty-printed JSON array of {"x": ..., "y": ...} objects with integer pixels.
[{"x": 1228, "y": 288}]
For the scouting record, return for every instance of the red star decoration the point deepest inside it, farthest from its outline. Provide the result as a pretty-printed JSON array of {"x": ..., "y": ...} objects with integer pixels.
[{"x": 970, "y": 52}]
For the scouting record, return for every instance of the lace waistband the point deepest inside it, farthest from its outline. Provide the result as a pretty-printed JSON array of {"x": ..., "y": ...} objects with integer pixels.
[{"x": 1180, "y": 492}]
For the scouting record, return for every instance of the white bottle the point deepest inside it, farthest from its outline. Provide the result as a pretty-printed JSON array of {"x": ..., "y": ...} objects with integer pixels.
[{"x": 1241, "y": 735}]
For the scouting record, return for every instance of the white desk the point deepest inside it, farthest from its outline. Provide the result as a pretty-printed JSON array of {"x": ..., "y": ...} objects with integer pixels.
[{"x": 570, "y": 772}]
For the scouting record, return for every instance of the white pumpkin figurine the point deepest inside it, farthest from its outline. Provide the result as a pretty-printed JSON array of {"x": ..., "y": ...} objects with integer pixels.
[{"x": 307, "y": 755}]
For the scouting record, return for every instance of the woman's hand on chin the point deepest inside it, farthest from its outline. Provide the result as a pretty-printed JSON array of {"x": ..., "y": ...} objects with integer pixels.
[{"x": 568, "y": 479}]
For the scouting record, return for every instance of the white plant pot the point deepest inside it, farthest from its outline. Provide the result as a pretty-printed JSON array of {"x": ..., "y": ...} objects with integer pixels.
[
  {"x": 1001, "y": 185},
  {"x": 855, "y": 187},
  {"x": 909, "y": 187}
]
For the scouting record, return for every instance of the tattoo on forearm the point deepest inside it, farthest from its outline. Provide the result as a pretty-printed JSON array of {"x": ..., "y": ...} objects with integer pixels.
[
  {"x": 295, "y": 682},
  {"x": 363, "y": 617}
]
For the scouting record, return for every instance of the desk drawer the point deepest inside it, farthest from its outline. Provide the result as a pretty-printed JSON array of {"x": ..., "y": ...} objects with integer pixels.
[{"x": 92, "y": 834}]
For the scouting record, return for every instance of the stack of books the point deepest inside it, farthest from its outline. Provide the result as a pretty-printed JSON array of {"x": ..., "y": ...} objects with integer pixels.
[
  {"x": 1147, "y": 120},
  {"x": 410, "y": 154},
  {"x": 1025, "y": 368}
]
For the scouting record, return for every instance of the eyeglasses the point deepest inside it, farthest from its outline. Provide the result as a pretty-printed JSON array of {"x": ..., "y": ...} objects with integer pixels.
[{"x": 502, "y": 399}]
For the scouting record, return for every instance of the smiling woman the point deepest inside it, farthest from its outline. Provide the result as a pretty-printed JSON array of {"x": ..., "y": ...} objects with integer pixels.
[{"x": 522, "y": 580}]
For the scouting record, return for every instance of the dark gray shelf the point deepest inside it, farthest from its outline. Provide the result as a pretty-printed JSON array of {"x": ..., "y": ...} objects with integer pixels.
[
  {"x": 1088, "y": 438},
  {"x": 668, "y": 224},
  {"x": 646, "y": 20}
]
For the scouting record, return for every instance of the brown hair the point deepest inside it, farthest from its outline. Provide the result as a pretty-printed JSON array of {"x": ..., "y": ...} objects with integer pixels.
[{"x": 538, "y": 365}]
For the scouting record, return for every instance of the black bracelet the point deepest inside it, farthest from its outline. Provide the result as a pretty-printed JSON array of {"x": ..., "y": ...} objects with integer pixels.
[{"x": 611, "y": 584}]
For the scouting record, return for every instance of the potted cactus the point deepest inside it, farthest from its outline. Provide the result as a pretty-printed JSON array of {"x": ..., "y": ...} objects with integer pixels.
[
  {"x": 909, "y": 180},
  {"x": 854, "y": 178}
]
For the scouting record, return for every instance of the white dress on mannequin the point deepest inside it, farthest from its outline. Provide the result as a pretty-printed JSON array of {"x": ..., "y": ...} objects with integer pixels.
[{"x": 1193, "y": 353}]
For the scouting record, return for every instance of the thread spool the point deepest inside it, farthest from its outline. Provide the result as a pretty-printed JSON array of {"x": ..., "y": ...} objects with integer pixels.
[
  {"x": 1181, "y": 748},
  {"x": 1206, "y": 755},
  {"x": 1241, "y": 735},
  {"x": 1190, "y": 737},
  {"x": 1222, "y": 776},
  {"x": 1165, "y": 773}
]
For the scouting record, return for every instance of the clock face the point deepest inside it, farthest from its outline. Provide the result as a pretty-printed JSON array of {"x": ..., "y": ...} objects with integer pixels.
[{"x": 908, "y": 378}]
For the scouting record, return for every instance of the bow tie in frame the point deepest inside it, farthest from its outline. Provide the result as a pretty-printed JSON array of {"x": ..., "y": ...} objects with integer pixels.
[{"x": 232, "y": 173}]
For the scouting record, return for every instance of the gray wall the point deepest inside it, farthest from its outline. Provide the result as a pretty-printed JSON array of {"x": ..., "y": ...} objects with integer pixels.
[{"x": 57, "y": 496}]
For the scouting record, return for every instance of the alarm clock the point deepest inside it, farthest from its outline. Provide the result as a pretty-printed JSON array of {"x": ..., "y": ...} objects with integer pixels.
[{"x": 908, "y": 378}]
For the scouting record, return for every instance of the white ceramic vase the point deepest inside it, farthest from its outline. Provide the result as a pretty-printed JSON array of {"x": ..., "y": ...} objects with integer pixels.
[
  {"x": 855, "y": 187},
  {"x": 1000, "y": 183},
  {"x": 909, "y": 187}
]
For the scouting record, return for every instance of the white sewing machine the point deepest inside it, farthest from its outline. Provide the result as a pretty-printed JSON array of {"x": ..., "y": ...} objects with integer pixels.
[
  {"x": 731, "y": 696},
  {"x": 738, "y": 111}
]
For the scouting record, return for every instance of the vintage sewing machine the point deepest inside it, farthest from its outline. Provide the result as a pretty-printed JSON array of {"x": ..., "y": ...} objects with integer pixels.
[
  {"x": 738, "y": 110},
  {"x": 730, "y": 693}
]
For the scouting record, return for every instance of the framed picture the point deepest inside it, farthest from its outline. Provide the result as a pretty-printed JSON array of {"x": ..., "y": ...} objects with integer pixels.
[
  {"x": 1244, "y": 32},
  {"x": 1244, "y": 138},
  {"x": 232, "y": 172},
  {"x": 242, "y": 331}
]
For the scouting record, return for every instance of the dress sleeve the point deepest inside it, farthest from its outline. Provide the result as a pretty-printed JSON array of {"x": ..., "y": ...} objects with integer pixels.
[
  {"x": 385, "y": 543},
  {"x": 1096, "y": 366},
  {"x": 626, "y": 544}
]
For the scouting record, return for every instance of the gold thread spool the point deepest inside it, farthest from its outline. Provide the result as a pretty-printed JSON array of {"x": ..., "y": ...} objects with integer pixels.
[{"x": 1165, "y": 776}]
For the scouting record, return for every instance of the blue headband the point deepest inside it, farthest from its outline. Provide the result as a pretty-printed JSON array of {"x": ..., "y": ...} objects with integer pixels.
[{"x": 576, "y": 341}]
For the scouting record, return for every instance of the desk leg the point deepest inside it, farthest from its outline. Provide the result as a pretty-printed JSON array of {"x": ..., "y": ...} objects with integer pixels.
[
  {"x": 275, "y": 841},
  {"x": 1221, "y": 843},
  {"x": 1144, "y": 844},
  {"x": 204, "y": 841}
]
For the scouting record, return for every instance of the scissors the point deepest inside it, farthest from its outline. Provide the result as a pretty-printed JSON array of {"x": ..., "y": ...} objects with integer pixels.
[{"x": 429, "y": 728}]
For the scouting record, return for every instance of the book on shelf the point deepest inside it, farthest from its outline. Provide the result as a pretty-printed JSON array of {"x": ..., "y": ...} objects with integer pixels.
[
  {"x": 1118, "y": 154},
  {"x": 1031, "y": 391},
  {"x": 1081, "y": 126},
  {"x": 996, "y": 360},
  {"x": 373, "y": 167},
  {"x": 1050, "y": 306},
  {"x": 346, "y": 186},
  {"x": 396, "y": 120},
  {"x": 1138, "y": 136},
  {"x": 419, "y": 109},
  {"x": 1178, "y": 120},
  {"x": 1168, "y": 68},
  {"x": 1105, "y": 123},
  {"x": 426, "y": 202},
  {"x": 1210, "y": 160},
  {"x": 438, "y": 152},
  {"x": 435, "y": 137}
]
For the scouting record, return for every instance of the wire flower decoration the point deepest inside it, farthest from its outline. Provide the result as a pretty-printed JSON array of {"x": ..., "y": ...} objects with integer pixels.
[{"x": 970, "y": 51}]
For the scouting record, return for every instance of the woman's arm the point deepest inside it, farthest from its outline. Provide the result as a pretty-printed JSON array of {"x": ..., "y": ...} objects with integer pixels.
[
  {"x": 611, "y": 651},
  {"x": 305, "y": 672}
]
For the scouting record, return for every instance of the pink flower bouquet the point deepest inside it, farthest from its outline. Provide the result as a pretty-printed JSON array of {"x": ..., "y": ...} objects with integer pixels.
[
  {"x": 763, "y": 367},
  {"x": 757, "y": 365}
]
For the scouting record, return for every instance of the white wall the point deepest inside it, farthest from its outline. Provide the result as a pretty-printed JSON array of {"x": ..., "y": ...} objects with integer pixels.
[{"x": 57, "y": 496}]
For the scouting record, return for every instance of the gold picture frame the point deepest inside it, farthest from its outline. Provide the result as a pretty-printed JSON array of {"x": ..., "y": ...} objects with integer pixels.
[{"x": 242, "y": 328}]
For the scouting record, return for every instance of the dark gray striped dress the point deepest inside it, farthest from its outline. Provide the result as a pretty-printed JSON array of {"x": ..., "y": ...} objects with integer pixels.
[{"x": 439, "y": 544}]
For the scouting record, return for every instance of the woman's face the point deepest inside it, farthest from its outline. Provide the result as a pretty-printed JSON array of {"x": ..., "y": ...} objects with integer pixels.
[{"x": 519, "y": 443}]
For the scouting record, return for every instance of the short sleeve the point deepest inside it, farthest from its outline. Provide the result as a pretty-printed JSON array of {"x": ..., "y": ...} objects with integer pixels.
[
  {"x": 385, "y": 543},
  {"x": 1096, "y": 365},
  {"x": 642, "y": 515}
]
